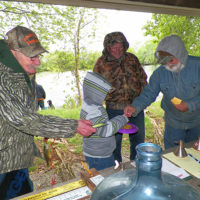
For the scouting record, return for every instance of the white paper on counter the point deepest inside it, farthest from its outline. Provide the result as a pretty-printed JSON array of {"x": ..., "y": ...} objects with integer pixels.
[{"x": 170, "y": 168}]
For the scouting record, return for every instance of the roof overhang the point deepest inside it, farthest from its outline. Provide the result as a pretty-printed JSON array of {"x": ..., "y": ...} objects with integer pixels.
[{"x": 178, "y": 7}]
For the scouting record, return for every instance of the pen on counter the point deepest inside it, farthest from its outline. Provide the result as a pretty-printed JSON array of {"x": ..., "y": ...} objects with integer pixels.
[
  {"x": 99, "y": 125},
  {"x": 86, "y": 168},
  {"x": 194, "y": 158}
]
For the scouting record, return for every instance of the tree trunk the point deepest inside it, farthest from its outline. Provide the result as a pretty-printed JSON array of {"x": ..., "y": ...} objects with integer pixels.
[{"x": 77, "y": 60}]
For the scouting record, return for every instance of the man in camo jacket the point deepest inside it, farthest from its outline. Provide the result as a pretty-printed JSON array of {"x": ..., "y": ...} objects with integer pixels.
[
  {"x": 127, "y": 77},
  {"x": 19, "y": 121}
]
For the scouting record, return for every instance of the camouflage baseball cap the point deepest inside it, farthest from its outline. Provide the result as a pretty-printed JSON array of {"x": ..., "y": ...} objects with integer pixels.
[{"x": 25, "y": 41}]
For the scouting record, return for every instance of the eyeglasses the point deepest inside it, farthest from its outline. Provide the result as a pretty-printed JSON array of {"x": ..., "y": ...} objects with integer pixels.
[
  {"x": 34, "y": 57},
  {"x": 163, "y": 60}
]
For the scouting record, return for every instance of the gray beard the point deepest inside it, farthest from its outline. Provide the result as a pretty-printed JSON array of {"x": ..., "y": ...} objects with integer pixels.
[{"x": 175, "y": 68}]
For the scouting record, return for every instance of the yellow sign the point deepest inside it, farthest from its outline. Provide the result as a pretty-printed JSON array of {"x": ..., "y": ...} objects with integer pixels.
[{"x": 56, "y": 191}]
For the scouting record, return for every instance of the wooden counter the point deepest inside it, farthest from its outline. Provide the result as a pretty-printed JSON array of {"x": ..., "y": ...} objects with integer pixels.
[{"x": 193, "y": 181}]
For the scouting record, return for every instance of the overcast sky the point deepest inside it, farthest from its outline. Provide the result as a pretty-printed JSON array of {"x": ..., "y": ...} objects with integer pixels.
[{"x": 128, "y": 22}]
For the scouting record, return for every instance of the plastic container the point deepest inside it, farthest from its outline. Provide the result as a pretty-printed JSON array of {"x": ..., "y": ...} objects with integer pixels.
[{"x": 146, "y": 182}]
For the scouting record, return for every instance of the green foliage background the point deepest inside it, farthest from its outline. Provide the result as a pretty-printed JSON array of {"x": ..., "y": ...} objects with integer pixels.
[
  {"x": 188, "y": 28},
  {"x": 53, "y": 23}
]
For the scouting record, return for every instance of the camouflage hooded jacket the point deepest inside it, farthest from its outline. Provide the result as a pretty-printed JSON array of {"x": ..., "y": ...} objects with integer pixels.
[
  {"x": 126, "y": 74},
  {"x": 19, "y": 122}
]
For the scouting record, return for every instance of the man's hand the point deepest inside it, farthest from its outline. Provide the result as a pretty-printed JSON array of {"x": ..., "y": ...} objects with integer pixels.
[
  {"x": 182, "y": 107},
  {"x": 85, "y": 127},
  {"x": 129, "y": 110}
]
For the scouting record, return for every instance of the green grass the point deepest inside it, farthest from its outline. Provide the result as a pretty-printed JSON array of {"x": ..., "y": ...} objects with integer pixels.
[
  {"x": 37, "y": 161},
  {"x": 63, "y": 113},
  {"x": 148, "y": 128},
  {"x": 76, "y": 142},
  {"x": 156, "y": 112},
  {"x": 156, "y": 109}
]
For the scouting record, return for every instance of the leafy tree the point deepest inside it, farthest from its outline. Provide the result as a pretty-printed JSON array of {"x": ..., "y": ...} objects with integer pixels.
[
  {"x": 81, "y": 27},
  {"x": 145, "y": 53},
  {"x": 131, "y": 50},
  {"x": 61, "y": 61},
  {"x": 74, "y": 26},
  {"x": 88, "y": 59},
  {"x": 37, "y": 17},
  {"x": 58, "y": 61},
  {"x": 188, "y": 28}
]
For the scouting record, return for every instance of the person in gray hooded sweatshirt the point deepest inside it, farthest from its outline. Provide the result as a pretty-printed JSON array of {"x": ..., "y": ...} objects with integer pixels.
[
  {"x": 98, "y": 148},
  {"x": 177, "y": 78}
]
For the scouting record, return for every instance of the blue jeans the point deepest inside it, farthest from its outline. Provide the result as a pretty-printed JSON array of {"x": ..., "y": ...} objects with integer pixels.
[
  {"x": 40, "y": 104},
  {"x": 172, "y": 136},
  {"x": 134, "y": 139},
  {"x": 14, "y": 184},
  {"x": 100, "y": 163}
]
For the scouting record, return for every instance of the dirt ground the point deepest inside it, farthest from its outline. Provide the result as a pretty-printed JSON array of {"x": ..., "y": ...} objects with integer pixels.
[
  {"x": 43, "y": 178},
  {"x": 67, "y": 166}
]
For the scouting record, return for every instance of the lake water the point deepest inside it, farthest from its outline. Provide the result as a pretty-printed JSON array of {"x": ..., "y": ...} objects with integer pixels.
[{"x": 59, "y": 86}]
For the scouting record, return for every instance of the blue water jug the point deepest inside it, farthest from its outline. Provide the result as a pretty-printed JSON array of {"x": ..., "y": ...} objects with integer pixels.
[{"x": 147, "y": 182}]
